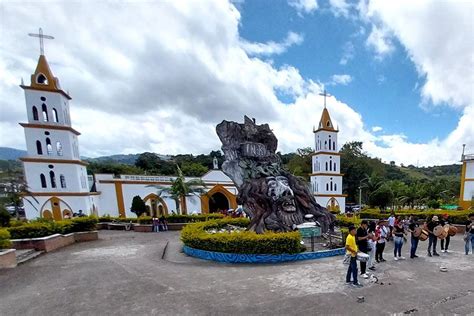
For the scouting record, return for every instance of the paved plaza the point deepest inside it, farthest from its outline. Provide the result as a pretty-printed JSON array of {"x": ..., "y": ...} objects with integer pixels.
[{"x": 128, "y": 273}]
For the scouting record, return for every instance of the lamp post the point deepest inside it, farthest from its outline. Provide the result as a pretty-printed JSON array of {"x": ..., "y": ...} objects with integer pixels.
[{"x": 360, "y": 193}]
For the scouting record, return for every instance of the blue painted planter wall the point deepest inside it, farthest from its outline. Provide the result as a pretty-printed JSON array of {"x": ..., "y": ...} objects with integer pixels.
[{"x": 256, "y": 258}]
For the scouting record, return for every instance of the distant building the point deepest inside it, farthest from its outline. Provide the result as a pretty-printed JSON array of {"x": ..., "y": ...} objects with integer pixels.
[
  {"x": 326, "y": 179},
  {"x": 467, "y": 181}
]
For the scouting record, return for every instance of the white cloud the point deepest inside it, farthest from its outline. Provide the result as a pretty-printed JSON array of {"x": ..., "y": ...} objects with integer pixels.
[
  {"x": 340, "y": 80},
  {"x": 340, "y": 8},
  {"x": 380, "y": 41},
  {"x": 376, "y": 129},
  {"x": 347, "y": 53},
  {"x": 271, "y": 47},
  {"x": 162, "y": 81},
  {"x": 303, "y": 6}
]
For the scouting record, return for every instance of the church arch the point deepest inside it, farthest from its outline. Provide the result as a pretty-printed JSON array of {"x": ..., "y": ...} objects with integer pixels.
[
  {"x": 52, "y": 179},
  {"x": 218, "y": 188},
  {"x": 54, "y": 204},
  {"x": 35, "y": 113},
  {"x": 333, "y": 205},
  {"x": 55, "y": 116},
  {"x": 39, "y": 148},
  {"x": 44, "y": 109},
  {"x": 155, "y": 205},
  {"x": 43, "y": 180},
  {"x": 49, "y": 147}
]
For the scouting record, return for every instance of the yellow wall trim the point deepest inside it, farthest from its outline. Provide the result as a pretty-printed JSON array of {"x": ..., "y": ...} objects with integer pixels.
[
  {"x": 120, "y": 203},
  {"x": 463, "y": 179}
]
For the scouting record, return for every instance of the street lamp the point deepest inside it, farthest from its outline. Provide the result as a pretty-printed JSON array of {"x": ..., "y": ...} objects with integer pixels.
[{"x": 360, "y": 193}]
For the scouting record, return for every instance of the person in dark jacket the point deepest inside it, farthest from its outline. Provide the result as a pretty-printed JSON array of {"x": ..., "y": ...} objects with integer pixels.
[
  {"x": 432, "y": 239},
  {"x": 414, "y": 240}
]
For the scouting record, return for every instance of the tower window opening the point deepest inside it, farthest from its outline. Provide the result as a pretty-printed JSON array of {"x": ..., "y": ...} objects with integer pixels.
[
  {"x": 35, "y": 114},
  {"x": 335, "y": 186},
  {"x": 45, "y": 112},
  {"x": 43, "y": 99},
  {"x": 52, "y": 178},
  {"x": 334, "y": 145},
  {"x": 327, "y": 186},
  {"x": 39, "y": 148},
  {"x": 55, "y": 116},
  {"x": 49, "y": 147},
  {"x": 43, "y": 180},
  {"x": 59, "y": 148},
  {"x": 326, "y": 166},
  {"x": 331, "y": 185},
  {"x": 41, "y": 79},
  {"x": 328, "y": 124},
  {"x": 62, "y": 179},
  {"x": 325, "y": 144}
]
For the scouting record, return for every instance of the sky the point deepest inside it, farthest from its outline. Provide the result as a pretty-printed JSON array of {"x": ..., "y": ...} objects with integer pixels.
[{"x": 160, "y": 75}]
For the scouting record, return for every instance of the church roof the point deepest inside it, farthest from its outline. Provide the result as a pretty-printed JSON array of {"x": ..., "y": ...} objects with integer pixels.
[
  {"x": 325, "y": 122},
  {"x": 43, "y": 79}
]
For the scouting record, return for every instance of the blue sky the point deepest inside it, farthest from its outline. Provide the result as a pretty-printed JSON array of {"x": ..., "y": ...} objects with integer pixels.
[
  {"x": 386, "y": 92},
  {"x": 401, "y": 73}
]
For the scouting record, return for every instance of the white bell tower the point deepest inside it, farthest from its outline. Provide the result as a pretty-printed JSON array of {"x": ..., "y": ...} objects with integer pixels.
[
  {"x": 326, "y": 179},
  {"x": 54, "y": 172}
]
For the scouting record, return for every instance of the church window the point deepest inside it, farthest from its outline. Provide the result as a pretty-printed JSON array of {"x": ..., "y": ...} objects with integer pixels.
[
  {"x": 331, "y": 186},
  {"x": 45, "y": 112},
  {"x": 43, "y": 180},
  {"x": 55, "y": 116},
  {"x": 39, "y": 148},
  {"x": 62, "y": 179},
  {"x": 330, "y": 142},
  {"x": 325, "y": 144},
  {"x": 334, "y": 145},
  {"x": 327, "y": 186},
  {"x": 335, "y": 186},
  {"x": 49, "y": 147},
  {"x": 41, "y": 79},
  {"x": 328, "y": 124},
  {"x": 326, "y": 166},
  {"x": 335, "y": 167},
  {"x": 43, "y": 99},
  {"x": 35, "y": 113},
  {"x": 59, "y": 148},
  {"x": 52, "y": 178},
  {"x": 46, "y": 133}
]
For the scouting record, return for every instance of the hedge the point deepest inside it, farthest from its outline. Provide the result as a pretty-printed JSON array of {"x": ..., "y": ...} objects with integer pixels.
[
  {"x": 5, "y": 239},
  {"x": 344, "y": 221},
  {"x": 174, "y": 218},
  {"x": 454, "y": 217},
  {"x": 244, "y": 242},
  {"x": 38, "y": 229}
]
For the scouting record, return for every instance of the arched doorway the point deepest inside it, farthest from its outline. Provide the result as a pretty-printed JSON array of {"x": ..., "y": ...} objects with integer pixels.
[
  {"x": 218, "y": 202},
  {"x": 333, "y": 205},
  {"x": 155, "y": 205}
]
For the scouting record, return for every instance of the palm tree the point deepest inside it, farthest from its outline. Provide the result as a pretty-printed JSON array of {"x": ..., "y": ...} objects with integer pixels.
[
  {"x": 17, "y": 192},
  {"x": 180, "y": 189}
]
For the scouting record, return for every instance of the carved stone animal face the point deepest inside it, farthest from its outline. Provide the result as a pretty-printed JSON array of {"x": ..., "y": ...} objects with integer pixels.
[{"x": 281, "y": 193}]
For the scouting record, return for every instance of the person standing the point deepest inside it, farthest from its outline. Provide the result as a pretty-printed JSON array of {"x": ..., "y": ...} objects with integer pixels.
[
  {"x": 391, "y": 224},
  {"x": 155, "y": 224},
  {"x": 469, "y": 237},
  {"x": 163, "y": 223},
  {"x": 381, "y": 232},
  {"x": 372, "y": 245},
  {"x": 351, "y": 249},
  {"x": 363, "y": 245},
  {"x": 398, "y": 233},
  {"x": 432, "y": 239},
  {"x": 414, "y": 240}
]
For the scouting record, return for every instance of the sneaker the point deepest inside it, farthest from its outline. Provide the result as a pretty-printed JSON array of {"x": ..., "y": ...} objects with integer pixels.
[
  {"x": 382, "y": 260},
  {"x": 446, "y": 250},
  {"x": 415, "y": 256},
  {"x": 357, "y": 285},
  {"x": 395, "y": 258},
  {"x": 401, "y": 258},
  {"x": 365, "y": 276},
  {"x": 372, "y": 268},
  {"x": 429, "y": 254},
  {"x": 436, "y": 254}
]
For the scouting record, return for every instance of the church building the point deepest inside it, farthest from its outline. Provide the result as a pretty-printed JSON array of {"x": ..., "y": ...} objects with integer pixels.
[
  {"x": 466, "y": 197},
  {"x": 326, "y": 178}
]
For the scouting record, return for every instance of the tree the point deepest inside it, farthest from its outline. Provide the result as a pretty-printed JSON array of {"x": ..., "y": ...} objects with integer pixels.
[
  {"x": 4, "y": 217},
  {"x": 193, "y": 169},
  {"x": 138, "y": 206},
  {"x": 17, "y": 192},
  {"x": 300, "y": 164},
  {"x": 180, "y": 189},
  {"x": 381, "y": 197}
]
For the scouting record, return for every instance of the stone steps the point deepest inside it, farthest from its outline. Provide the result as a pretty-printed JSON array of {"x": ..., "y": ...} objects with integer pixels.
[{"x": 25, "y": 255}]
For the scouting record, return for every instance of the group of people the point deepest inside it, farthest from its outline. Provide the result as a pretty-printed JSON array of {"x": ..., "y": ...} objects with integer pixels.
[
  {"x": 370, "y": 239},
  {"x": 160, "y": 224}
]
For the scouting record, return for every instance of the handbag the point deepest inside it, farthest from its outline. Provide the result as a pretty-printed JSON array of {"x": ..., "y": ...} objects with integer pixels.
[
  {"x": 347, "y": 259},
  {"x": 466, "y": 236}
]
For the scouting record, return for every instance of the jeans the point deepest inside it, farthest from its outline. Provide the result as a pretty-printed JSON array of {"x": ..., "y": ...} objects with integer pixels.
[
  {"x": 352, "y": 270},
  {"x": 470, "y": 240},
  {"x": 379, "y": 251},
  {"x": 363, "y": 265},
  {"x": 372, "y": 250},
  {"x": 414, "y": 245},
  {"x": 445, "y": 243},
  {"x": 432, "y": 240},
  {"x": 155, "y": 228},
  {"x": 397, "y": 250}
]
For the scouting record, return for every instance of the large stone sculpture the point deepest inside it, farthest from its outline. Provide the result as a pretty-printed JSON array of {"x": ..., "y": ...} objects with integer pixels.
[{"x": 273, "y": 198}]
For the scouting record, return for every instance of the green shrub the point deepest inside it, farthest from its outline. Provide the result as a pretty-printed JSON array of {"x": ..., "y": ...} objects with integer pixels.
[
  {"x": 31, "y": 230},
  {"x": 175, "y": 218},
  {"x": 105, "y": 219},
  {"x": 16, "y": 223},
  {"x": 84, "y": 224},
  {"x": 4, "y": 217},
  {"x": 144, "y": 220},
  {"x": 5, "y": 239},
  {"x": 244, "y": 242},
  {"x": 344, "y": 221},
  {"x": 62, "y": 227}
]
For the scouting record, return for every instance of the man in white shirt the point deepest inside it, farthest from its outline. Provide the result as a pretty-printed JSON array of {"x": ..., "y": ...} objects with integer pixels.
[{"x": 391, "y": 223}]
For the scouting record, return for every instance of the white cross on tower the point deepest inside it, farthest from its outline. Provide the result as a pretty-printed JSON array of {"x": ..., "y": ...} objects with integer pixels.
[{"x": 41, "y": 36}]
